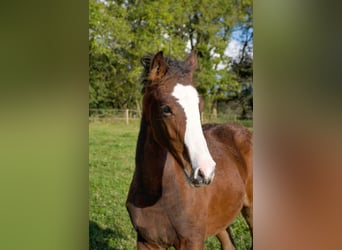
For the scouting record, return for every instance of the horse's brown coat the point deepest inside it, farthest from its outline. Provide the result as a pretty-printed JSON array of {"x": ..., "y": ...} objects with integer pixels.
[{"x": 165, "y": 208}]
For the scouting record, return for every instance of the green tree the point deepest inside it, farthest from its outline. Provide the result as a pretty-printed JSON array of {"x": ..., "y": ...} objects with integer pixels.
[
  {"x": 112, "y": 80},
  {"x": 121, "y": 32}
]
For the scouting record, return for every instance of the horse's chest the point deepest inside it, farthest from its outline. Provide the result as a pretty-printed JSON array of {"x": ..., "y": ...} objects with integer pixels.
[{"x": 152, "y": 224}]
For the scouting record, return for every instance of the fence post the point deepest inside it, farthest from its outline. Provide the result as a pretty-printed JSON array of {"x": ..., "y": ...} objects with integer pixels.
[
  {"x": 214, "y": 114},
  {"x": 127, "y": 116}
]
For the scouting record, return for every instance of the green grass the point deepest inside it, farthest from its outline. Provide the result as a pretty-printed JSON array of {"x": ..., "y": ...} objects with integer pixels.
[{"x": 111, "y": 165}]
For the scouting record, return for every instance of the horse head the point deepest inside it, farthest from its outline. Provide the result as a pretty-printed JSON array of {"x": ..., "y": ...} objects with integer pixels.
[{"x": 172, "y": 109}]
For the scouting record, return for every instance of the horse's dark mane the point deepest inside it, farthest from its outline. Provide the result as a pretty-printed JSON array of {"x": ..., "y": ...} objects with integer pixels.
[{"x": 174, "y": 66}]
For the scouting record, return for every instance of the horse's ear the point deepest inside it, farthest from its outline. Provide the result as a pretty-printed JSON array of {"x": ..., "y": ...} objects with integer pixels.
[
  {"x": 158, "y": 67},
  {"x": 191, "y": 61}
]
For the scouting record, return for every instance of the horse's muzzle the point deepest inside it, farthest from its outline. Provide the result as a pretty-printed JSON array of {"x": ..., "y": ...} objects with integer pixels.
[{"x": 198, "y": 178}]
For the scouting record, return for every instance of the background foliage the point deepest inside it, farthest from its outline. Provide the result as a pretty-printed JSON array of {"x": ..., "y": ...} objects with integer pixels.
[{"x": 121, "y": 32}]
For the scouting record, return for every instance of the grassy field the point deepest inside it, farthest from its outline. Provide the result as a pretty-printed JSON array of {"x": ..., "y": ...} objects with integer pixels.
[{"x": 111, "y": 165}]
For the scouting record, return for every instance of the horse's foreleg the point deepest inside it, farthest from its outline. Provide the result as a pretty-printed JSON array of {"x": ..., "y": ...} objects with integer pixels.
[
  {"x": 226, "y": 243},
  {"x": 247, "y": 209},
  {"x": 247, "y": 213}
]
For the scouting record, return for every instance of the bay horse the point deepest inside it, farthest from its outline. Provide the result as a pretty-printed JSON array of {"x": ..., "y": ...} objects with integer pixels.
[{"x": 190, "y": 182}]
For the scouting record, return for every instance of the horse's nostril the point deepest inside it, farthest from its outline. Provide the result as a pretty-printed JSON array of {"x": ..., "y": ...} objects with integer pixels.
[
  {"x": 198, "y": 178},
  {"x": 200, "y": 174}
]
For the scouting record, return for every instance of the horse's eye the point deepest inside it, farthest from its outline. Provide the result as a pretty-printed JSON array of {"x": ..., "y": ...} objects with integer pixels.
[{"x": 166, "y": 110}]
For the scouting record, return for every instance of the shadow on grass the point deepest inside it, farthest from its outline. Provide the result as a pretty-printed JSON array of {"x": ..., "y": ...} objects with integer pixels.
[{"x": 99, "y": 238}]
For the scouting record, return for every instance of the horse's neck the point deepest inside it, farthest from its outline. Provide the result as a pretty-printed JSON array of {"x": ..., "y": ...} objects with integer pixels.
[
  {"x": 150, "y": 160},
  {"x": 148, "y": 147}
]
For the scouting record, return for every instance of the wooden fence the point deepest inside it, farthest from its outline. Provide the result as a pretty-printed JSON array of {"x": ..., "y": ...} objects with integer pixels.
[
  {"x": 129, "y": 115},
  {"x": 113, "y": 115}
]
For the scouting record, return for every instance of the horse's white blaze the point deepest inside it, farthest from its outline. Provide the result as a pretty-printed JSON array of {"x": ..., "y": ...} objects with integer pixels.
[{"x": 200, "y": 157}]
